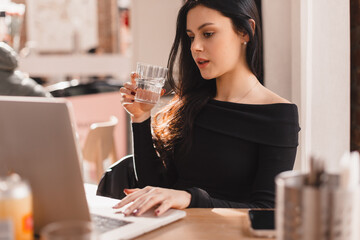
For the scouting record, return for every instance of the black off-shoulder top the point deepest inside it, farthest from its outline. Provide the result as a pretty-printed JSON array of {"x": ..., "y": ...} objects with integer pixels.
[{"x": 236, "y": 152}]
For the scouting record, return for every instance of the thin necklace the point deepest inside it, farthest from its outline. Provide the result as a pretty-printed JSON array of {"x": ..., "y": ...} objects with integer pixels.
[{"x": 247, "y": 93}]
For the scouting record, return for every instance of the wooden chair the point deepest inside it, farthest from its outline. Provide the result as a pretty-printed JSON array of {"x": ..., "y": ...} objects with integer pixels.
[{"x": 99, "y": 145}]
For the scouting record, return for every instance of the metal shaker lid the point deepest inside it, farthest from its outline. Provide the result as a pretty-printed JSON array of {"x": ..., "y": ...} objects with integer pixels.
[{"x": 13, "y": 186}]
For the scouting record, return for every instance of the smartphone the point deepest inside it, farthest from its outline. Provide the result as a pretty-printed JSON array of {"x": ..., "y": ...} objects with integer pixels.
[{"x": 262, "y": 222}]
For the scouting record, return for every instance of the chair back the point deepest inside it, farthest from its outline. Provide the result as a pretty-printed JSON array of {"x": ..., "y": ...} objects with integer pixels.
[{"x": 100, "y": 146}]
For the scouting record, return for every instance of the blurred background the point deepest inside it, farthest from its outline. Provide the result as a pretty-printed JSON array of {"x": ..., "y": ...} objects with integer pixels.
[{"x": 84, "y": 50}]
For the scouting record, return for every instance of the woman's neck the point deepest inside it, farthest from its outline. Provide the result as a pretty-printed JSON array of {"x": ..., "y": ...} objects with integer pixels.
[{"x": 235, "y": 86}]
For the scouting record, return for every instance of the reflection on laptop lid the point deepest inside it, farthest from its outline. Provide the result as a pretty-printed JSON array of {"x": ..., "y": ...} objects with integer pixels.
[{"x": 37, "y": 141}]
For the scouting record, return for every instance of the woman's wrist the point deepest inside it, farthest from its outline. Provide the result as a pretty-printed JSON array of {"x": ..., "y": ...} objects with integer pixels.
[
  {"x": 188, "y": 198},
  {"x": 140, "y": 119}
]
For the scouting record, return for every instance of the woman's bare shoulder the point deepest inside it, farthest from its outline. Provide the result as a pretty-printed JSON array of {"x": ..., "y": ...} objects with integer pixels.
[{"x": 266, "y": 96}]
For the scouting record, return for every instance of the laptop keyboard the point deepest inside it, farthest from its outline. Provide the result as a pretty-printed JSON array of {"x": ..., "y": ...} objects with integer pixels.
[{"x": 104, "y": 224}]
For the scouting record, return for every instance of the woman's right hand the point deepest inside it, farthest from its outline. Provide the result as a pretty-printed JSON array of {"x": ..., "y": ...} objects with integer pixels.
[{"x": 139, "y": 111}]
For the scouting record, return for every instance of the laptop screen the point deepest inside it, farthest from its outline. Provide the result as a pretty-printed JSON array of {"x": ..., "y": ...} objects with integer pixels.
[{"x": 37, "y": 141}]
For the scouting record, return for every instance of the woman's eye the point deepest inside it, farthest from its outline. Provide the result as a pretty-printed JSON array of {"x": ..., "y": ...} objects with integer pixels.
[
  {"x": 191, "y": 38},
  {"x": 208, "y": 34}
]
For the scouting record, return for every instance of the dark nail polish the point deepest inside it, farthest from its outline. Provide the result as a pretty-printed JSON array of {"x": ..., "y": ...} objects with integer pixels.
[
  {"x": 136, "y": 212},
  {"x": 133, "y": 93}
]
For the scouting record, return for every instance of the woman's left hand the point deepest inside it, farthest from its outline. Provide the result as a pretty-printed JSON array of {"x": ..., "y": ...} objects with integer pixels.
[{"x": 148, "y": 197}]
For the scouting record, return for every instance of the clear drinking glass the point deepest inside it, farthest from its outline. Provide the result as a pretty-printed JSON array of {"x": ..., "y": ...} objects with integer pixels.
[
  {"x": 69, "y": 230},
  {"x": 149, "y": 82}
]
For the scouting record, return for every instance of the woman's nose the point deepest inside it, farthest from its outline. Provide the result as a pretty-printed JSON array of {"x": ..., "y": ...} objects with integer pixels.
[{"x": 196, "y": 46}]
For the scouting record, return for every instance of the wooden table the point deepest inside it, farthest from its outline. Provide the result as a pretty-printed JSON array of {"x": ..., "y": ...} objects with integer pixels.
[
  {"x": 202, "y": 224},
  {"x": 206, "y": 224}
]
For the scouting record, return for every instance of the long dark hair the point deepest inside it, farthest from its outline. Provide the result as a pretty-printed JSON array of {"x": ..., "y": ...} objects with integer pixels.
[{"x": 173, "y": 124}]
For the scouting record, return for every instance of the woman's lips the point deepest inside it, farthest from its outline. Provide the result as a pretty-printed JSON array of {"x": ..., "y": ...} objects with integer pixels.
[{"x": 202, "y": 62}]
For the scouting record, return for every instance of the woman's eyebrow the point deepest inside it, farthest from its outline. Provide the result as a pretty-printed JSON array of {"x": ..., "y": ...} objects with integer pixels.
[{"x": 201, "y": 26}]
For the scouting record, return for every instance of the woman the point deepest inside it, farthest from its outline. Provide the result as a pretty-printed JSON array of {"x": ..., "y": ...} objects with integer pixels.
[{"x": 224, "y": 137}]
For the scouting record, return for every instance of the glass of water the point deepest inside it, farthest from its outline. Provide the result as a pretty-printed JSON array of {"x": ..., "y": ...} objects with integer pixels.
[{"x": 149, "y": 82}]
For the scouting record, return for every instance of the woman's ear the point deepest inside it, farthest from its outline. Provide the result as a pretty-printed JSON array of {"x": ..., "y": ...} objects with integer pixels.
[
  {"x": 244, "y": 34},
  {"x": 252, "y": 25}
]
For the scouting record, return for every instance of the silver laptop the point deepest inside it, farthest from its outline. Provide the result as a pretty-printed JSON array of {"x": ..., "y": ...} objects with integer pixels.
[{"x": 38, "y": 141}]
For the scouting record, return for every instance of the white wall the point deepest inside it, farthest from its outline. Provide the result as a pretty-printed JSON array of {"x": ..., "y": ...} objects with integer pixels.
[
  {"x": 307, "y": 60},
  {"x": 153, "y": 25},
  {"x": 331, "y": 78},
  {"x": 277, "y": 46}
]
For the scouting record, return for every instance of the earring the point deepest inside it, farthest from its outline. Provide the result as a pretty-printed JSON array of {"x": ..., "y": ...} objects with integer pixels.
[{"x": 245, "y": 43}]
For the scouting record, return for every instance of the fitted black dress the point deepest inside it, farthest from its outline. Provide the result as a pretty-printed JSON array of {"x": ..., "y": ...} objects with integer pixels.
[{"x": 237, "y": 150}]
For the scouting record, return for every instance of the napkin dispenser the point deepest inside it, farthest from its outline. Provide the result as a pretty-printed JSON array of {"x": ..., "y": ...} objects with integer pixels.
[{"x": 316, "y": 206}]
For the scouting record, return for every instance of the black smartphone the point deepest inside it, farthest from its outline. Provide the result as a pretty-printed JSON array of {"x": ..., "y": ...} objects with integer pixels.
[{"x": 262, "y": 222}]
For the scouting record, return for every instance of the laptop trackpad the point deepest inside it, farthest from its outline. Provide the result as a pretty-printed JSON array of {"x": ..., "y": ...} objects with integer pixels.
[{"x": 104, "y": 224}]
